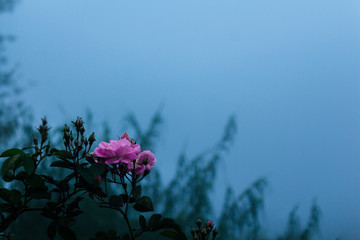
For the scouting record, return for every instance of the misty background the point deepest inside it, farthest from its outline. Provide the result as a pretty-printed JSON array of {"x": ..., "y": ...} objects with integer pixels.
[{"x": 288, "y": 70}]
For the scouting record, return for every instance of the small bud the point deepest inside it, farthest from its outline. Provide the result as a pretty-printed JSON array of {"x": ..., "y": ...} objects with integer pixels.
[
  {"x": 215, "y": 232},
  {"x": 86, "y": 142},
  {"x": 198, "y": 222},
  {"x": 210, "y": 224},
  {"x": 76, "y": 142},
  {"x": 82, "y": 130},
  {"x": 92, "y": 138},
  {"x": 47, "y": 150},
  {"x": 44, "y": 121},
  {"x": 192, "y": 231},
  {"x": 43, "y": 130},
  {"x": 66, "y": 128},
  {"x": 35, "y": 141},
  {"x": 78, "y": 123},
  {"x": 125, "y": 135},
  {"x": 196, "y": 238},
  {"x": 146, "y": 172}
]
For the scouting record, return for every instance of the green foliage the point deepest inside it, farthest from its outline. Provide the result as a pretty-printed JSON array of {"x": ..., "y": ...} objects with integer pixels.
[
  {"x": 61, "y": 197},
  {"x": 293, "y": 230},
  {"x": 240, "y": 218},
  {"x": 7, "y": 5}
]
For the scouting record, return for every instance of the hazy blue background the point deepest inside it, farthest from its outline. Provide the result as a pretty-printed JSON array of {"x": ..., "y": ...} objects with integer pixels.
[{"x": 289, "y": 70}]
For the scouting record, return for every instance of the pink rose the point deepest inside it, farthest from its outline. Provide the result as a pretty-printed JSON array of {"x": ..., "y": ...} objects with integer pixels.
[
  {"x": 117, "y": 151},
  {"x": 145, "y": 161}
]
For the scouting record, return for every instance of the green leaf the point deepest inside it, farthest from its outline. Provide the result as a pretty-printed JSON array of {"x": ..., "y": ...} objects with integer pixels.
[
  {"x": 62, "y": 164},
  {"x": 41, "y": 195},
  {"x": 171, "y": 234},
  {"x": 12, "y": 152},
  {"x": 66, "y": 233},
  {"x": 89, "y": 174},
  {"x": 111, "y": 235},
  {"x": 116, "y": 201},
  {"x": 144, "y": 204},
  {"x": 49, "y": 214},
  {"x": 38, "y": 190},
  {"x": 166, "y": 223},
  {"x": 142, "y": 222},
  {"x": 154, "y": 220},
  {"x": 29, "y": 165},
  {"x": 51, "y": 230},
  {"x": 12, "y": 162},
  {"x": 22, "y": 176},
  {"x": 19, "y": 161},
  {"x": 137, "y": 192},
  {"x": 125, "y": 237},
  {"x": 53, "y": 150},
  {"x": 9, "y": 177},
  {"x": 4, "y": 207},
  {"x": 12, "y": 196},
  {"x": 75, "y": 213},
  {"x": 36, "y": 182},
  {"x": 63, "y": 154}
]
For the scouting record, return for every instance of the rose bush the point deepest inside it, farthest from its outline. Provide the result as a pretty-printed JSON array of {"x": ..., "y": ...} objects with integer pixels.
[{"x": 87, "y": 175}]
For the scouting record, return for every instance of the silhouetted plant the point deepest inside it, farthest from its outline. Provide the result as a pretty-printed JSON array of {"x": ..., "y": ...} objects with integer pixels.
[
  {"x": 293, "y": 230},
  {"x": 119, "y": 162}
]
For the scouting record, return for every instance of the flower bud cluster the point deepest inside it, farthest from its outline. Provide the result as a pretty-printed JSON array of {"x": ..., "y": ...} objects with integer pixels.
[
  {"x": 75, "y": 142},
  {"x": 43, "y": 130},
  {"x": 203, "y": 232}
]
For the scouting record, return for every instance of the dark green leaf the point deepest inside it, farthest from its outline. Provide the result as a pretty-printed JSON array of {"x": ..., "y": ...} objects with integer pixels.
[
  {"x": 66, "y": 233},
  {"x": 4, "y": 207},
  {"x": 51, "y": 230},
  {"x": 115, "y": 201},
  {"x": 62, "y": 164},
  {"x": 100, "y": 236},
  {"x": 53, "y": 150},
  {"x": 144, "y": 204},
  {"x": 111, "y": 235},
  {"x": 29, "y": 165},
  {"x": 142, "y": 222},
  {"x": 49, "y": 179},
  {"x": 89, "y": 174},
  {"x": 49, "y": 214},
  {"x": 166, "y": 223},
  {"x": 12, "y": 152},
  {"x": 41, "y": 195},
  {"x": 75, "y": 213},
  {"x": 12, "y": 162},
  {"x": 125, "y": 237},
  {"x": 36, "y": 182},
  {"x": 171, "y": 234},
  {"x": 12, "y": 196},
  {"x": 19, "y": 161},
  {"x": 154, "y": 220},
  {"x": 9, "y": 177},
  {"x": 63, "y": 154},
  {"x": 22, "y": 176}
]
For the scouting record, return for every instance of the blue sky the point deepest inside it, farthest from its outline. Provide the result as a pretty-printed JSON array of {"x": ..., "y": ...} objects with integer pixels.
[{"x": 288, "y": 70}]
